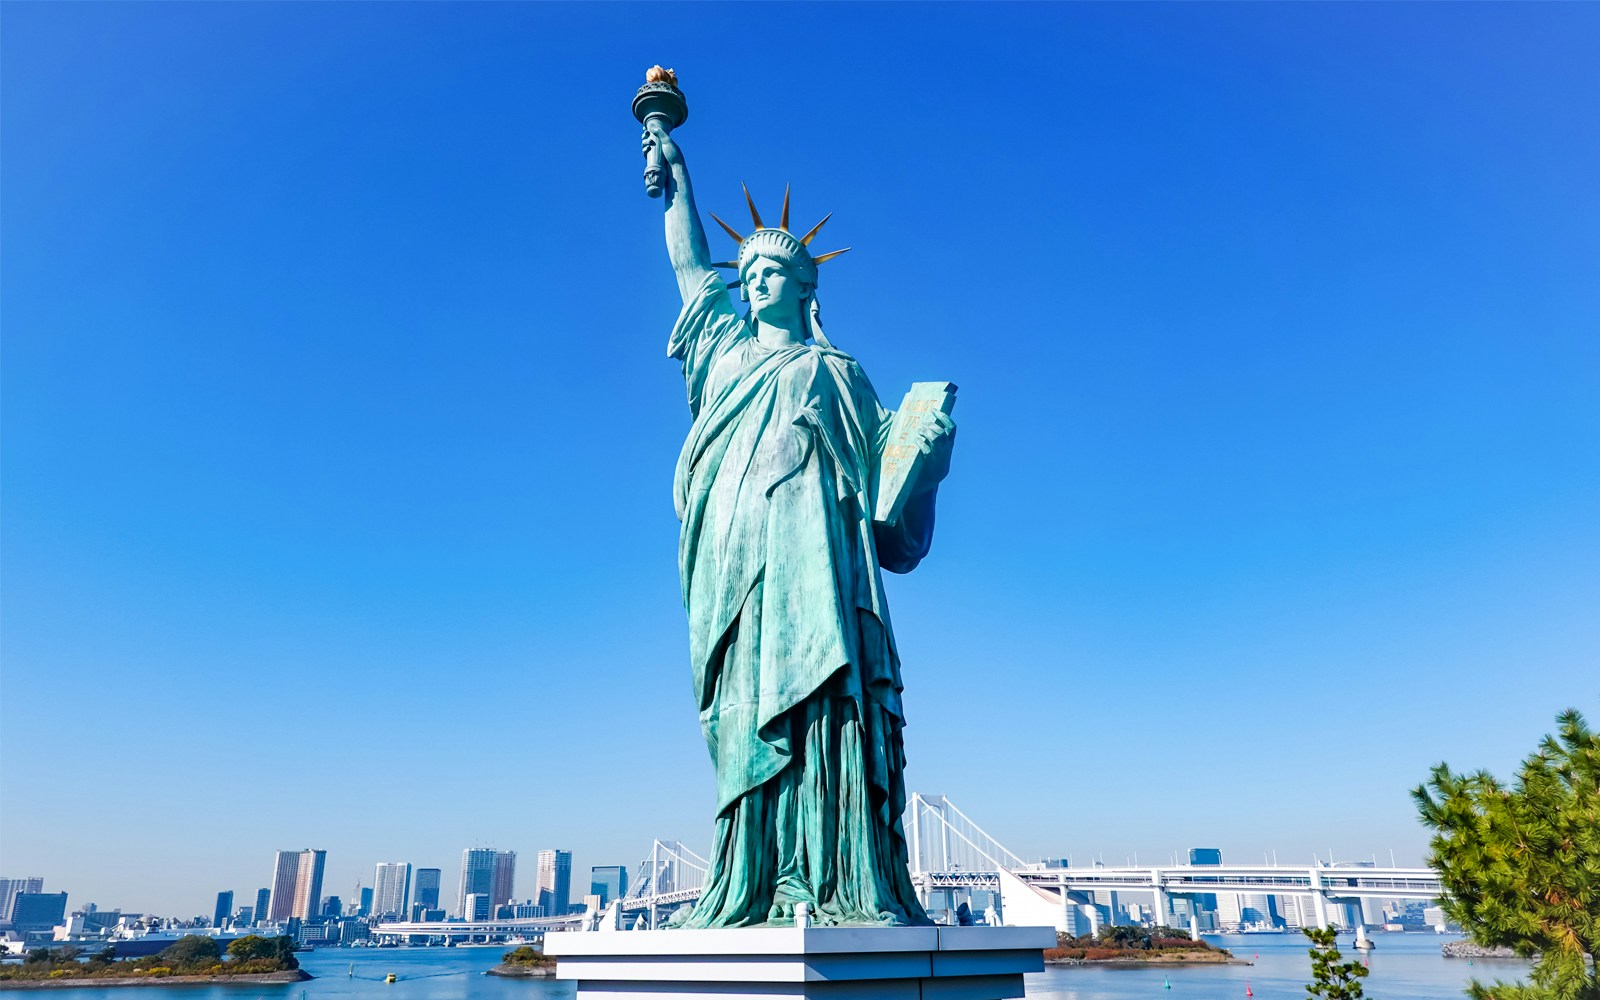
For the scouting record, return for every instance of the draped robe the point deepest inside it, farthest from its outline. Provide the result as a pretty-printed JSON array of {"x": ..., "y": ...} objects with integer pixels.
[{"x": 794, "y": 664}]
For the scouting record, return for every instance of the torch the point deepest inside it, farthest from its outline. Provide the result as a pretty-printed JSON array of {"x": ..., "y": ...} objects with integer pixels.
[{"x": 661, "y": 100}]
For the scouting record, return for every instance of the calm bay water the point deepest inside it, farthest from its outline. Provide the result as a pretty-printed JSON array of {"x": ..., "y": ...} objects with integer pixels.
[{"x": 1404, "y": 967}]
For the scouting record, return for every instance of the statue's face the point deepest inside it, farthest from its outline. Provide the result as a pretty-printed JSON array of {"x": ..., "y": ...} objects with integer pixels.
[{"x": 776, "y": 295}]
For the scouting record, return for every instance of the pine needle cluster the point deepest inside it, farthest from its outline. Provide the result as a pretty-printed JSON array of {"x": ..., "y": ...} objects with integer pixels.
[
  {"x": 1521, "y": 864},
  {"x": 1332, "y": 979}
]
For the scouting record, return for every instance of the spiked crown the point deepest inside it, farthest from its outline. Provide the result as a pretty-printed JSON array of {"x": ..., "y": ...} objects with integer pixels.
[{"x": 778, "y": 244}]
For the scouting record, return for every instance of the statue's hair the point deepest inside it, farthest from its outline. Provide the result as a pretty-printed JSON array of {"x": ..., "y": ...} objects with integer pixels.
[{"x": 778, "y": 245}]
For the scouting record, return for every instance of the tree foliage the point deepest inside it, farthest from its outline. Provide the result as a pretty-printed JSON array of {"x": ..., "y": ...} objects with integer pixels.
[
  {"x": 192, "y": 949},
  {"x": 1521, "y": 864},
  {"x": 1332, "y": 979},
  {"x": 526, "y": 955},
  {"x": 190, "y": 955},
  {"x": 275, "y": 952}
]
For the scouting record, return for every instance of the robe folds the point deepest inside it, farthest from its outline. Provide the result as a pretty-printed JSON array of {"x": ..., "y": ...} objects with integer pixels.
[{"x": 794, "y": 664}]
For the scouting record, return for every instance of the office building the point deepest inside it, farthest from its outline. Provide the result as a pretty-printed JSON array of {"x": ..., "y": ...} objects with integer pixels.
[
  {"x": 503, "y": 886},
  {"x": 245, "y": 917},
  {"x": 38, "y": 911},
  {"x": 332, "y": 908},
  {"x": 555, "y": 881},
  {"x": 1205, "y": 903},
  {"x": 364, "y": 905},
  {"x": 296, "y": 885},
  {"x": 1258, "y": 909},
  {"x": 10, "y": 887},
  {"x": 219, "y": 916},
  {"x": 608, "y": 882},
  {"x": 477, "y": 879},
  {"x": 475, "y": 906},
  {"x": 263, "y": 896},
  {"x": 1296, "y": 911},
  {"x": 425, "y": 887},
  {"x": 391, "y": 889}
]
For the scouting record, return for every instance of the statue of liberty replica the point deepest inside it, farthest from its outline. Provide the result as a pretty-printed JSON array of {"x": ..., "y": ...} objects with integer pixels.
[{"x": 796, "y": 489}]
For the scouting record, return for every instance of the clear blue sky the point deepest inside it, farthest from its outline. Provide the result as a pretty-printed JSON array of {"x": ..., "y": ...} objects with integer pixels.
[{"x": 338, "y": 430}]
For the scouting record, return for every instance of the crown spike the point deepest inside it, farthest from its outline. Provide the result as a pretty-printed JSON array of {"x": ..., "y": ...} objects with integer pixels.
[
  {"x": 783, "y": 223},
  {"x": 754, "y": 215},
  {"x": 829, "y": 256},
  {"x": 727, "y": 229},
  {"x": 806, "y": 239}
]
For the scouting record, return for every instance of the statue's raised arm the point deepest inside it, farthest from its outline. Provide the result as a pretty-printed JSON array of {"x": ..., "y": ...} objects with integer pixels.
[{"x": 660, "y": 107}]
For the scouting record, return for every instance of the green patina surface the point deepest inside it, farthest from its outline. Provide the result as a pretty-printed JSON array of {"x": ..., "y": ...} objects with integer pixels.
[{"x": 793, "y": 657}]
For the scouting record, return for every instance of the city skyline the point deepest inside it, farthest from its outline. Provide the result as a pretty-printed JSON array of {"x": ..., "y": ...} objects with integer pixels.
[
  {"x": 1207, "y": 911},
  {"x": 483, "y": 870},
  {"x": 1279, "y": 391}
]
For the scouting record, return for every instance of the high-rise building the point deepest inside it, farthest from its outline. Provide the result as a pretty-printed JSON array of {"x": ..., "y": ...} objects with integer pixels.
[
  {"x": 9, "y": 887},
  {"x": 503, "y": 887},
  {"x": 555, "y": 881},
  {"x": 308, "y": 886},
  {"x": 475, "y": 906},
  {"x": 263, "y": 897},
  {"x": 296, "y": 884},
  {"x": 332, "y": 906},
  {"x": 608, "y": 882},
  {"x": 1205, "y": 902},
  {"x": 224, "y": 910},
  {"x": 364, "y": 906},
  {"x": 425, "y": 887},
  {"x": 1259, "y": 909},
  {"x": 285, "y": 869},
  {"x": 38, "y": 911},
  {"x": 477, "y": 878},
  {"x": 391, "y": 889}
]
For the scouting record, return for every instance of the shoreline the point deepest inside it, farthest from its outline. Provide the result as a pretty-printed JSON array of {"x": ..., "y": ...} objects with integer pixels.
[
  {"x": 92, "y": 982},
  {"x": 505, "y": 971},
  {"x": 1186, "y": 960}
]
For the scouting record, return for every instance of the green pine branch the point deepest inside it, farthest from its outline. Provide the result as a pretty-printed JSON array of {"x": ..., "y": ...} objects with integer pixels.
[{"x": 1521, "y": 863}]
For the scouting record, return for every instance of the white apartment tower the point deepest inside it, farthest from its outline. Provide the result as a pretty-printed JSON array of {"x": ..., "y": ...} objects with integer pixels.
[
  {"x": 296, "y": 885},
  {"x": 555, "y": 882},
  {"x": 391, "y": 889}
]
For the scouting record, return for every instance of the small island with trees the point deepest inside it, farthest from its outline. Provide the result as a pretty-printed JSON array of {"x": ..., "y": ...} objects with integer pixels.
[
  {"x": 195, "y": 958},
  {"x": 524, "y": 963},
  {"x": 1141, "y": 945}
]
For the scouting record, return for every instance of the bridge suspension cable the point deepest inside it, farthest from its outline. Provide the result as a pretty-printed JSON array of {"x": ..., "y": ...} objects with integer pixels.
[
  {"x": 670, "y": 875},
  {"x": 942, "y": 838}
]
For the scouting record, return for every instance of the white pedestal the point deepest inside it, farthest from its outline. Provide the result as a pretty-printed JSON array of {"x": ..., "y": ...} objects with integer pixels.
[{"x": 858, "y": 963}]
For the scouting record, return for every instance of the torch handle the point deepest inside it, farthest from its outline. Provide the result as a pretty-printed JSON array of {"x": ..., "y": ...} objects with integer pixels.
[{"x": 655, "y": 170}]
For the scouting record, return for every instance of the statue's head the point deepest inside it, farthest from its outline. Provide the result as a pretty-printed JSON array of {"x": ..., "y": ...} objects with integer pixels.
[
  {"x": 777, "y": 274},
  {"x": 776, "y": 271}
]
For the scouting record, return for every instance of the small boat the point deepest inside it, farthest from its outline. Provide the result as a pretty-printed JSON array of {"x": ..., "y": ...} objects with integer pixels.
[
  {"x": 389, "y": 978},
  {"x": 1166, "y": 983},
  {"x": 1247, "y": 990}
]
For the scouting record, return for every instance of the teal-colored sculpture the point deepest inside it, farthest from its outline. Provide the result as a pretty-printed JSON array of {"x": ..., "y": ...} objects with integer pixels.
[{"x": 781, "y": 552}]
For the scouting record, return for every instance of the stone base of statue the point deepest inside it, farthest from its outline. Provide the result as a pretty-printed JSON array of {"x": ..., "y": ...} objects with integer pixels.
[{"x": 859, "y": 963}]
